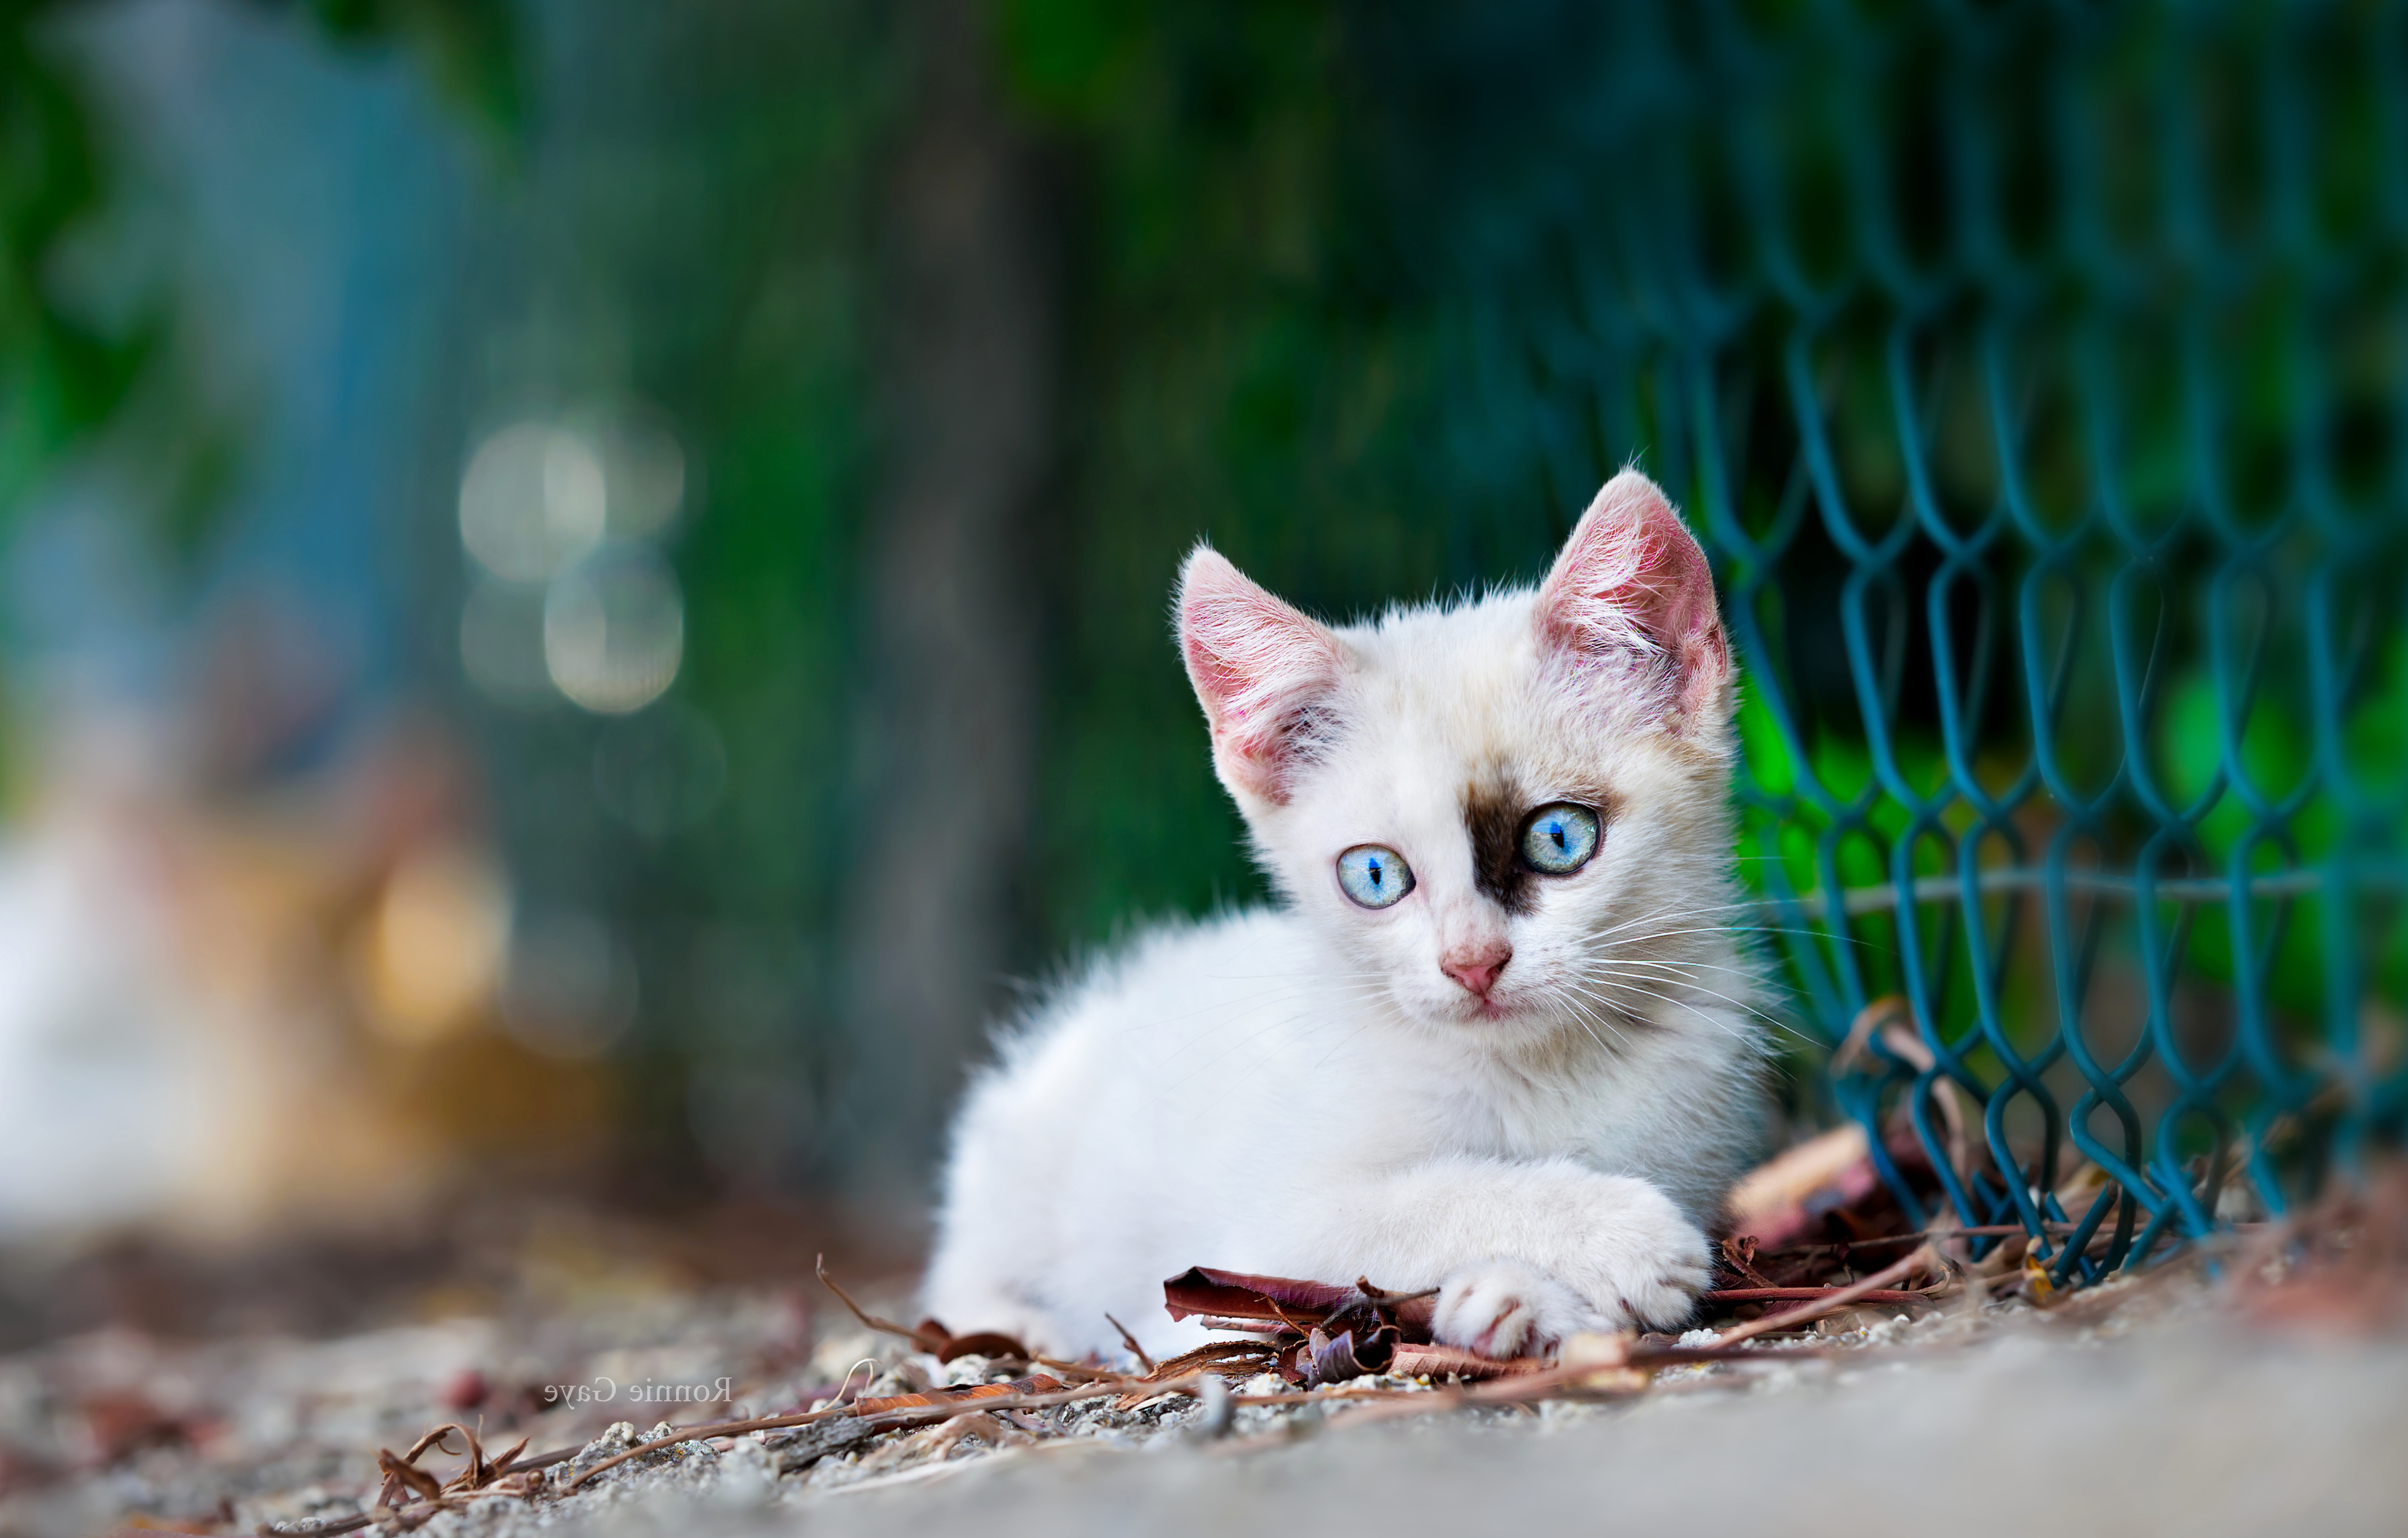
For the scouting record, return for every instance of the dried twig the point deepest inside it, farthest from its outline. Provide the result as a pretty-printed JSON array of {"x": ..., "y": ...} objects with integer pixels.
[
  {"x": 1078, "y": 1370},
  {"x": 1378, "y": 1298},
  {"x": 919, "y": 1338},
  {"x": 1772, "y": 1295},
  {"x": 1739, "y": 1259},
  {"x": 1839, "y": 1298},
  {"x": 886, "y": 1420},
  {"x": 701, "y": 1433},
  {"x": 1220, "y": 1359},
  {"x": 1982, "y": 1230},
  {"x": 1130, "y": 1341}
]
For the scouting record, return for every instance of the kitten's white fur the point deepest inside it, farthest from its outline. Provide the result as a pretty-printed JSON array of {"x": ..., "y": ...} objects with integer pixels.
[{"x": 1304, "y": 1091}]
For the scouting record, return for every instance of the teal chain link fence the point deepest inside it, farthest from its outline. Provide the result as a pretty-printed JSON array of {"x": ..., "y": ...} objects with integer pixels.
[{"x": 2037, "y": 376}]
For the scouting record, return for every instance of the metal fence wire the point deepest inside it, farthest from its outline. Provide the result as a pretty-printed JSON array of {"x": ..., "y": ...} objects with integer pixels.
[{"x": 2037, "y": 377}]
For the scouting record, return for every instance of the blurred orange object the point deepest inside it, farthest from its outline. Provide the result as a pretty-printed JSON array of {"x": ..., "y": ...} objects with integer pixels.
[{"x": 229, "y": 1015}]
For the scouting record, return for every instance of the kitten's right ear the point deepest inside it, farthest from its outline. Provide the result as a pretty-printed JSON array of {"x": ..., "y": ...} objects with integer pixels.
[
  {"x": 1263, "y": 671},
  {"x": 1631, "y": 585}
]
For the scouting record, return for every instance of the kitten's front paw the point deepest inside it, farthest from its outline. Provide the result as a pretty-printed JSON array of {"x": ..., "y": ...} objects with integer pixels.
[
  {"x": 1668, "y": 1298},
  {"x": 1640, "y": 1266},
  {"x": 1649, "y": 1273},
  {"x": 1502, "y": 1308}
]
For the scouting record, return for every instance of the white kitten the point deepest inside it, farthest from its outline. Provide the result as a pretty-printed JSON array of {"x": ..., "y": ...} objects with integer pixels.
[{"x": 1498, "y": 1039}]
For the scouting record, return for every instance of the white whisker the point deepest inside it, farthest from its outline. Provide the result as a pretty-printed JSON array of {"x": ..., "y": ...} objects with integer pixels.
[
  {"x": 1702, "y": 1015},
  {"x": 1736, "y": 1003}
]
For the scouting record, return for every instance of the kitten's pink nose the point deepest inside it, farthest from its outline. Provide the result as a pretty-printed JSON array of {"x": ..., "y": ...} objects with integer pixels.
[{"x": 1476, "y": 966}]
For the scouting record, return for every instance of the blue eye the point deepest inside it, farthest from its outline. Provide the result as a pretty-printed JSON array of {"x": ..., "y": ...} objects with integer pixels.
[
  {"x": 1558, "y": 839},
  {"x": 1374, "y": 877}
]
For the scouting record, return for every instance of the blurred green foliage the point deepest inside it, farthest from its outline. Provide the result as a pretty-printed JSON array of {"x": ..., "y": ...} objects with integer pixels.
[
  {"x": 699, "y": 183},
  {"x": 65, "y": 374},
  {"x": 1371, "y": 296},
  {"x": 60, "y": 374},
  {"x": 1248, "y": 366},
  {"x": 471, "y": 47}
]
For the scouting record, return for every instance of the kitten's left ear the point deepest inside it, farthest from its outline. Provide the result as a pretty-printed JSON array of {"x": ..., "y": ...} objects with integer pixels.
[
  {"x": 1633, "y": 587},
  {"x": 1264, "y": 671}
]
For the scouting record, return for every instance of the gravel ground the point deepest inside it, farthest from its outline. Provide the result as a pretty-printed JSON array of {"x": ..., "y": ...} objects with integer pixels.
[
  {"x": 2127, "y": 1407},
  {"x": 2177, "y": 1427}
]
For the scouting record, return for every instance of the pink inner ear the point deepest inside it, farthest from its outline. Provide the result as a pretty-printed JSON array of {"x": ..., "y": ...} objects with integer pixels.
[
  {"x": 1259, "y": 667},
  {"x": 1633, "y": 583}
]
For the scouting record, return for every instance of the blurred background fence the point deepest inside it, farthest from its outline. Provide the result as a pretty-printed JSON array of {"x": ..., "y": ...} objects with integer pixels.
[
  {"x": 586, "y": 582},
  {"x": 2035, "y": 374}
]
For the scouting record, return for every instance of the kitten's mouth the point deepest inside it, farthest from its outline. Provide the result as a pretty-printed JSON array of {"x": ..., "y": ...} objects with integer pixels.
[{"x": 1490, "y": 1007}]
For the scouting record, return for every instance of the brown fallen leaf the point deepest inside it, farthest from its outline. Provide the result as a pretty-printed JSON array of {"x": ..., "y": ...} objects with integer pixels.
[
  {"x": 980, "y": 1343},
  {"x": 402, "y": 1477},
  {"x": 1328, "y": 1358},
  {"x": 437, "y": 1439},
  {"x": 1238, "y": 1295},
  {"x": 1229, "y": 1300},
  {"x": 1245, "y": 1326},
  {"x": 1230, "y": 1358},
  {"x": 1317, "y": 1333},
  {"x": 1440, "y": 1361},
  {"x": 481, "y": 1473}
]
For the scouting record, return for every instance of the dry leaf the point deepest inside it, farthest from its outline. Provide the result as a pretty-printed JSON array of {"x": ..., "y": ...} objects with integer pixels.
[
  {"x": 1332, "y": 1359},
  {"x": 400, "y": 1475},
  {"x": 1440, "y": 1361},
  {"x": 1235, "y": 1295},
  {"x": 980, "y": 1343}
]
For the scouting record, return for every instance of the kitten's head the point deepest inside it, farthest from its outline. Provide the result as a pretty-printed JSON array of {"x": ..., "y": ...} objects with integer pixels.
[{"x": 1478, "y": 805}]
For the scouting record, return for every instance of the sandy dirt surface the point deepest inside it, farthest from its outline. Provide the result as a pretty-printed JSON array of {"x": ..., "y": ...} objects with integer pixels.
[
  {"x": 594, "y": 1382},
  {"x": 2178, "y": 1429},
  {"x": 2166, "y": 1402}
]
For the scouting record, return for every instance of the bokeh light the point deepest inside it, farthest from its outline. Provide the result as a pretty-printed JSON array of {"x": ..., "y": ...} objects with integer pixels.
[
  {"x": 435, "y": 950},
  {"x": 533, "y": 500},
  {"x": 614, "y": 629}
]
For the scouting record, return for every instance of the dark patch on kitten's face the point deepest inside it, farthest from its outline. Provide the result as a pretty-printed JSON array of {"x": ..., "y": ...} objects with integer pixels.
[{"x": 1493, "y": 810}]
